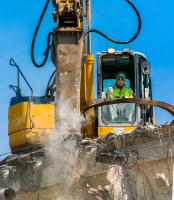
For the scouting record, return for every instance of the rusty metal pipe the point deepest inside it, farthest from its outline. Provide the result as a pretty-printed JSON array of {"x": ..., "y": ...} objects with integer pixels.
[
  {"x": 160, "y": 104},
  {"x": 7, "y": 194}
]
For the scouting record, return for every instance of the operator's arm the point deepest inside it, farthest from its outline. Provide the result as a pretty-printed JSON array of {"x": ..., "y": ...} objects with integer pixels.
[
  {"x": 108, "y": 95},
  {"x": 131, "y": 93}
]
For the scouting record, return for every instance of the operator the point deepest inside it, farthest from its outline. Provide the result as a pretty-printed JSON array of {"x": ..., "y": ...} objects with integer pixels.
[{"x": 119, "y": 90}]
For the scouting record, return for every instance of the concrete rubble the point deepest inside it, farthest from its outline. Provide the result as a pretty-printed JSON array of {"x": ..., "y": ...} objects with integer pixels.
[
  {"x": 7, "y": 193},
  {"x": 135, "y": 164}
]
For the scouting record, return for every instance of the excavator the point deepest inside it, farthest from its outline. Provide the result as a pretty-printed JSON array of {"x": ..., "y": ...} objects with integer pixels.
[{"x": 73, "y": 110}]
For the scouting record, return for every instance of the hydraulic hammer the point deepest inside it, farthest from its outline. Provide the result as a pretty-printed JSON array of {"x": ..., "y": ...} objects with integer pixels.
[{"x": 68, "y": 55}]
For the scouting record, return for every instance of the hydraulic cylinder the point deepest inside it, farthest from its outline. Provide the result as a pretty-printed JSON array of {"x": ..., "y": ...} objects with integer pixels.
[{"x": 90, "y": 95}]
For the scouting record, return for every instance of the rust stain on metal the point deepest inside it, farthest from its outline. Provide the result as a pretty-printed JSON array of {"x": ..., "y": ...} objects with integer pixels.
[{"x": 62, "y": 53}]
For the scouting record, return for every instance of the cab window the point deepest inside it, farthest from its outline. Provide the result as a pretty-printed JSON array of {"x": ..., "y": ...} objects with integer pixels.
[{"x": 111, "y": 64}]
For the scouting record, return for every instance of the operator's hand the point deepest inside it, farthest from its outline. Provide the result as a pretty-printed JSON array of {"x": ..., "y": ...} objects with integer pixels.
[{"x": 134, "y": 95}]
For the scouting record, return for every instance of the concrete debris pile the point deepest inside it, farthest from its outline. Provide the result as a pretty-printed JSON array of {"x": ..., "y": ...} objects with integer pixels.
[
  {"x": 7, "y": 193},
  {"x": 126, "y": 165},
  {"x": 100, "y": 193}
]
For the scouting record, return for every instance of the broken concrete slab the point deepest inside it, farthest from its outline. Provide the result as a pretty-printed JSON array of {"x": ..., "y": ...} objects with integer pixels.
[
  {"x": 139, "y": 155},
  {"x": 7, "y": 194},
  {"x": 100, "y": 193},
  {"x": 162, "y": 181}
]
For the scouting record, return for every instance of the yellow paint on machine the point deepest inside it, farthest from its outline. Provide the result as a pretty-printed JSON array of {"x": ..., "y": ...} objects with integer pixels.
[
  {"x": 29, "y": 137},
  {"x": 90, "y": 96},
  {"x": 20, "y": 130},
  {"x": 153, "y": 116},
  {"x": 18, "y": 116},
  {"x": 105, "y": 130}
]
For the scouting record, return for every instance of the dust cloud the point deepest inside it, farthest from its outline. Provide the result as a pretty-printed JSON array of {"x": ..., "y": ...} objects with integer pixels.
[{"x": 63, "y": 152}]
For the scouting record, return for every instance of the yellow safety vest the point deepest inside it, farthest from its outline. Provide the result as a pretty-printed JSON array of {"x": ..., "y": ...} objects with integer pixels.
[{"x": 114, "y": 92}]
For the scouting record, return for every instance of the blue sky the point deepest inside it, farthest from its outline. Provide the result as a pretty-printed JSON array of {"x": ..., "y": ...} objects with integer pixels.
[{"x": 18, "y": 20}]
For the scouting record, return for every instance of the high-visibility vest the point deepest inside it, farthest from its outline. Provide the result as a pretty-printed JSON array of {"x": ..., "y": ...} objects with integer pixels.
[{"x": 114, "y": 92}]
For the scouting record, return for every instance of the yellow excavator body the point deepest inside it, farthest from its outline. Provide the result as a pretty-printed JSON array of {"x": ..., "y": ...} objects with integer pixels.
[
  {"x": 105, "y": 130},
  {"x": 30, "y": 124}
]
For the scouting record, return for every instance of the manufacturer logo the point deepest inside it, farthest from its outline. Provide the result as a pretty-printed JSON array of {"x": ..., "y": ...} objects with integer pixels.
[{"x": 118, "y": 130}]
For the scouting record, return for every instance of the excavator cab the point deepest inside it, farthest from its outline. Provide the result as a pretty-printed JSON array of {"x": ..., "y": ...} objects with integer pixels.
[{"x": 123, "y": 116}]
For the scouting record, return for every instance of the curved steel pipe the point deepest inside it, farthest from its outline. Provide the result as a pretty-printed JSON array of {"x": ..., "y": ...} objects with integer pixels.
[{"x": 100, "y": 102}]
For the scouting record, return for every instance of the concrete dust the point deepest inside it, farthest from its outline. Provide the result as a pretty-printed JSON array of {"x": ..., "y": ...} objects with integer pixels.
[{"x": 62, "y": 151}]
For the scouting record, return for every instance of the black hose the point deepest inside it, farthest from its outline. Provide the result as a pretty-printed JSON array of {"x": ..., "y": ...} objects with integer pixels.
[
  {"x": 34, "y": 38},
  {"x": 121, "y": 42},
  {"x": 88, "y": 31},
  {"x": 51, "y": 79},
  {"x": 48, "y": 85}
]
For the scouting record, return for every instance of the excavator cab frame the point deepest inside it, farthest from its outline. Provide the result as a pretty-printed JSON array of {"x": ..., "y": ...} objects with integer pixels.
[{"x": 137, "y": 69}]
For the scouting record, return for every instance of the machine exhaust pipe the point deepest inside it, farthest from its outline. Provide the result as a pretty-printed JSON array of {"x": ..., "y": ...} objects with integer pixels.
[{"x": 7, "y": 194}]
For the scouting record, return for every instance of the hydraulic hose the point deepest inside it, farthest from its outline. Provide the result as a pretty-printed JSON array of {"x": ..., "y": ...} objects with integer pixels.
[
  {"x": 51, "y": 79},
  {"x": 34, "y": 38},
  {"x": 48, "y": 85},
  {"x": 121, "y": 42},
  {"x": 46, "y": 53}
]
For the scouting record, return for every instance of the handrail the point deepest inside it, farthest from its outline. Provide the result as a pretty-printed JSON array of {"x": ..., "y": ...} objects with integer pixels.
[
  {"x": 30, "y": 113},
  {"x": 12, "y": 86},
  {"x": 12, "y": 62}
]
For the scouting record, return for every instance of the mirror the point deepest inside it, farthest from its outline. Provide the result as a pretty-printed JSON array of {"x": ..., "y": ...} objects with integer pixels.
[{"x": 146, "y": 67}]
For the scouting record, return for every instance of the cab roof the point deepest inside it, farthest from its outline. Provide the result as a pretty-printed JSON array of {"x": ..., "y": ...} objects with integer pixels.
[{"x": 131, "y": 52}]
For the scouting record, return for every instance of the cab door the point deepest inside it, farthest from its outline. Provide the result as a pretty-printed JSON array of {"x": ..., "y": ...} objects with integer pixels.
[
  {"x": 115, "y": 117},
  {"x": 146, "y": 92}
]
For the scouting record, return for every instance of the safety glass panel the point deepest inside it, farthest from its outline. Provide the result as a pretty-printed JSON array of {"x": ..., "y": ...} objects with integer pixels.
[
  {"x": 118, "y": 113},
  {"x": 119, "y": 60},
  {"x": 114, "y": 63}
]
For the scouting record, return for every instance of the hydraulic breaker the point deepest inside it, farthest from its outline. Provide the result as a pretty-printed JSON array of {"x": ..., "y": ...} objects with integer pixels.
[{"x": 68, "y": 55}]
